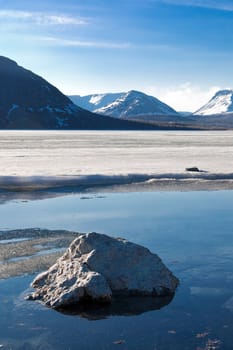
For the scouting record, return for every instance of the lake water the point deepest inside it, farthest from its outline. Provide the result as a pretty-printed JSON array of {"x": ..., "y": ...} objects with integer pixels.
[{"x": 191, "y": 231}]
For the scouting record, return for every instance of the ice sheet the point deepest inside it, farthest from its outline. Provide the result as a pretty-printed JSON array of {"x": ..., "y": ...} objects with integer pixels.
[{"x": 115, "y": 156}]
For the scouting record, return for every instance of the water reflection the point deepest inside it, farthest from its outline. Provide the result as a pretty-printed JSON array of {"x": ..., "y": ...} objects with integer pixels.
[{"x": 122, "y": 306}]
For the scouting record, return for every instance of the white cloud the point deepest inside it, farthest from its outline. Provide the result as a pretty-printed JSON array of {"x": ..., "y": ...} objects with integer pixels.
[
  {"x": 84, "y": 43},
  {"x": 212, "y": 4},
  {"x": 184, "y": 97},
  {"x": 41, "y": 18},
  {"x": 56, "y": 41}
]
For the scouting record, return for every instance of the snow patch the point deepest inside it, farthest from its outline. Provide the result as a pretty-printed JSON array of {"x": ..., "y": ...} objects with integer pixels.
[
  {"x": 13, "y": 107},
  {"x": 61, "y": 121},
  {"x": 95, "y": 99},
  {"x": 70, "y": 109}
]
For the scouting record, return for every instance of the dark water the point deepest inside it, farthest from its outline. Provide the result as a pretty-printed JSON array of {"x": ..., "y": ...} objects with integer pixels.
[{"x": 193, "y": 234}]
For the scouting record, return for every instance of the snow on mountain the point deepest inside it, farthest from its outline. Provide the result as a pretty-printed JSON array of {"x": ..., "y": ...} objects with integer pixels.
[
  {"x": 95, "y": 101},
  {"x": 27, "y": 101},
  {"x": 221, "y": 102},
  {"x": 131, "y": 103},
  {"x": 134, "y": 103}
]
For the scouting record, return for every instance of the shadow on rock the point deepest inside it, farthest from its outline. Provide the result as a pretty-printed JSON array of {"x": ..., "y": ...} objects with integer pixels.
[{"x": 121, "y": 306}]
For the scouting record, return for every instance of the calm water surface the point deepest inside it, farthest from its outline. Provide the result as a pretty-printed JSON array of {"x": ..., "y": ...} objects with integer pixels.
[{"x": 193, "y": 234}]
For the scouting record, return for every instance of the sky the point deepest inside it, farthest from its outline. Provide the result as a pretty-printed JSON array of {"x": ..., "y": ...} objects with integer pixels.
[{"x": 179, "y": 51}]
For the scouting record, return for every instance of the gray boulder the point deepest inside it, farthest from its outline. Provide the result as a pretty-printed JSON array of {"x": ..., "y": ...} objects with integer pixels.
[{"x": 97, "y": 267}]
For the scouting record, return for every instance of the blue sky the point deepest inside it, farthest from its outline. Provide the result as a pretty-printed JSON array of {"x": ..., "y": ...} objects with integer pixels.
[{"x": 177, "y": 50}]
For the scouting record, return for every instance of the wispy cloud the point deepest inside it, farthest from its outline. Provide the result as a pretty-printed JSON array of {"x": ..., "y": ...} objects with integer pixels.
[
  {"x": 184, "y": 97},
  {"x": 85, "y": 43},
  {"x": 56, "y": 41},
  {"x": 41, "y": 18},
  {"x": 224, "y": 5}
]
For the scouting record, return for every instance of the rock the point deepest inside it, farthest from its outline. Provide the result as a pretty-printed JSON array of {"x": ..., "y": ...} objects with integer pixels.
[
  {"x": 97, "y": 267},
  {"x": 194, "y": 168}
]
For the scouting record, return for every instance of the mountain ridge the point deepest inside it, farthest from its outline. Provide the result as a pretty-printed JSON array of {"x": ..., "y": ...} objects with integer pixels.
[
  {"x": 220, "y": 103},
  {"x": 126, "y": 104},
  {"x": 27, "y": 101}
]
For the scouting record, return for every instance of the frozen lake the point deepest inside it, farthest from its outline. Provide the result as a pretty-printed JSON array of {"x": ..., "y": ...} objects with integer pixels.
[
  {"x": 153, "y": 159},
  {"x": 51, "y": 153}
]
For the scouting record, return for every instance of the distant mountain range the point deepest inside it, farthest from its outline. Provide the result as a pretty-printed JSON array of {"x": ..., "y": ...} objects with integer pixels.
[
  {"x": 124, "y": 104},
  {"x": 137, "y": 106},
  {"x": 220, "y": 103},
  {"x": 27, "y": 101}
]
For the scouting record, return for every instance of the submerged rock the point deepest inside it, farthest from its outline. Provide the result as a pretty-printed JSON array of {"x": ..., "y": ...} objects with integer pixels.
[{"x": 97, "y": 267}]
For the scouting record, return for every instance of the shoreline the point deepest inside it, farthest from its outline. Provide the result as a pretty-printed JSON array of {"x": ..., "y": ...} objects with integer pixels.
[{"x": 200, "y": 181}]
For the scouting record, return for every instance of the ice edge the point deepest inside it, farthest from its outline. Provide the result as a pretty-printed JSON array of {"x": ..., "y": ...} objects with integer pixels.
[{"x": 89, "y": 181}]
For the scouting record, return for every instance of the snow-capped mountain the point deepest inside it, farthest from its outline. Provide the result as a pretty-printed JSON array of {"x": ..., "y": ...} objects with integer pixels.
[
  {"x": 220, "y": 103},
  {"x": 127, "y": 104},
  {"x": 95, "y": 101},
  {"x": 27, "y": 101},
  {"x": 134, "y": 103}
]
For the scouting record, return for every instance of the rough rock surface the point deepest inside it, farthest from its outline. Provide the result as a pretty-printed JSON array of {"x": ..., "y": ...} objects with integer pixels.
[{"x": 96, "y": 267}]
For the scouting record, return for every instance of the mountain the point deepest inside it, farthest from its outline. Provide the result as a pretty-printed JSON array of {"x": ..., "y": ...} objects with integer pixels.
[
  {"x": 127, "y": 104},
  {"x": 221, "y": 103},
  {"x": 27, "y": 101},
  {"x": 95, "y": 101}
]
